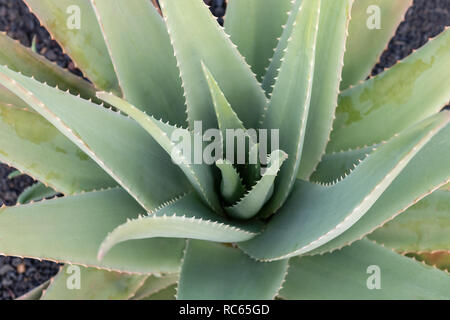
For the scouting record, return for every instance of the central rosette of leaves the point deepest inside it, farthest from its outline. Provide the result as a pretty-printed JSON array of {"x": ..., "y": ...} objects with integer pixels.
[{"x": 232, "y": 158}]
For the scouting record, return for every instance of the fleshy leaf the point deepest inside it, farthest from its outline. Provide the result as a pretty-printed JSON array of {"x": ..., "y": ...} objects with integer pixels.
[
  {"x": 333, "y": 166},
  {"x": 155, "y": 284},
  {"x": 351, "y": 273},
  {"x": 93, "y": 285},
  {"x": 36, "y": 293},
  {"x": 185, "y": 217},
  {"x": 149, "y": 79},
  {"x": 165, "y": 294},
  {"x": 315, "y": 214},
  {"x": 409, "y": 92},
  {"x": 227, "y": 274},
  {"x": 83, "y": 43},
  {"x": 330, "y": 48},
  {"x": 427, "y": 171},
  {"x": 290, "y": 101},
  {"x": 200, "y": 175},
  {"x": 367, "y": 40},
  {"x": 438, "y": 259},
  {"x": 108, "y": 138},
  {"x": 254, "y": 26},
  {"x": 254, "y": 200},
  {"x": 14, "y": 174},
  {"x": 275, "y": 63},
  {"x": 37, "y": 191},
  {"x": 423, "y": 227},
  {"x": 228, "y": 120},
  {"x": 231, "y": 186},
  {"x": 10, "y": 99},
  {"x": 22, "y": 59},
  {"x": 71, "y": 229},
  {"x": 26, "y": 138},
  {"x": 208, "y": 43}
]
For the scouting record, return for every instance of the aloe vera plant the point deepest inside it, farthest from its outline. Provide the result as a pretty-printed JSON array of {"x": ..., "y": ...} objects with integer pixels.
[{"x": 310, "y": 220}]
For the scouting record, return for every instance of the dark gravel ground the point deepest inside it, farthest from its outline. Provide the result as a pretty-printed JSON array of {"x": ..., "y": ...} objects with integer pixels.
[{"x": 424, "y": 20}]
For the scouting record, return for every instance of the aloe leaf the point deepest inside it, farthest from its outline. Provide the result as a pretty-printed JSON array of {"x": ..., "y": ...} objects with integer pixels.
[
  {"x": 275, "y": 62},
  {"x": 229, "y": 122},
  {"x": 423, "y": 227},
  {"x": 290, "y": 101},
  {"x": 37, "y": 191},
  {"x": 14, "y": 174},
  {"x": 85, "y": 45},
  {"x": 226, "y": 117},
  {"x": 200, "y": 175},
  {"x": 438, "y": 259},
  {"x": 255, "y": 26},
  {"x": 231, "y": 186},
  {"x": 330, "y": 48},
  {"x": 227, "y": 274},
  {"x": 250, "y": 204},
  {"x": 334, "y": 166},
  {"x": 93, "y": 285},
  {"x": 26, "y": 138},
  {"x": 9, "y": 99},
  {"x": 298, "y": 227},
  {"x": 352, "y": 271},
  {"x": 36, "y": 293},
  {"x": 366, "y": 41},
  {"x": 407, "y": 93},
  {"x": 185, "y": 217},
  {"x": 425, "y": 173},
  {"x": 165, "y": 294},
  {"x": 22, "y": 59},
  {"x": 108, "y": 138},
  {"x": 154, "y": 285},
  {"x": 251, "y": 171},
  {"x": 71, "y": 229},
  {"x": 208, "y": 43},
  {"x": 150, "y": 79}
]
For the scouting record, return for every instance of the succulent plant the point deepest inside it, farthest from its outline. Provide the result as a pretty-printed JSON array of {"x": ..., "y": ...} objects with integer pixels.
[{"x": 314, "y": 219}]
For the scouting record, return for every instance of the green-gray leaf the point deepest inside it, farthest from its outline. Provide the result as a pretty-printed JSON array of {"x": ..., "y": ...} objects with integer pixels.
[
  {"x": 85, "y": 45},
  {"x": 351, "y": 273},
  {"x": 315, "y": 214},
  {"x": 93, "y": 284},
  {"x": 154, "y": 285},
  {"x": 185, "y": 217},
  {"x": 290, "y": 101},
  {"x": 423, "y": 227},
  {"x": 71, "y": 229},
  {"x": 257, "y": 196},
  {"x": 208, "y": 43},
  {"x": 26, "y": 138},
  {"x": 255, "y": 27},
  {"x": 22, "y": 59},
  {"x": 427, "y": 171},
  {"x": 330, "y": 48},
  {"x": 366, "y": 41},
  {"x": 200, "y": 175},
  {"x": 149, "y": 79},
  {"x": 409, "y": 92},
  {"x": 227, "y": 274},
  {"x": 37, "y": 191},
  {"x": 107, "y": 137}
]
